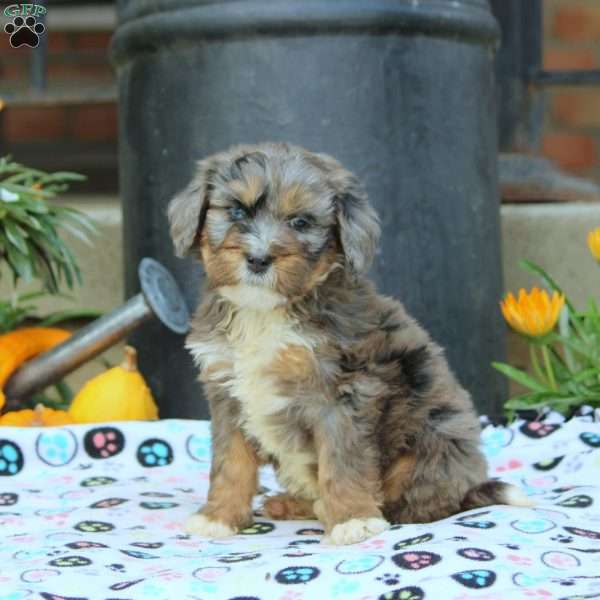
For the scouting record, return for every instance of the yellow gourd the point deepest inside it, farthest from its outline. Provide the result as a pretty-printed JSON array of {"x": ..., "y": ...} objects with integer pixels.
[
  {"x": 22, "y": 344},
  {"x": 40, "y": 416},
  {"x": 119, "y": 394}
]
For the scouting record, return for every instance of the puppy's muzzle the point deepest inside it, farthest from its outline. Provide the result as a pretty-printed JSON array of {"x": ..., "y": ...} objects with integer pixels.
[{"x": 258, "y": 264}]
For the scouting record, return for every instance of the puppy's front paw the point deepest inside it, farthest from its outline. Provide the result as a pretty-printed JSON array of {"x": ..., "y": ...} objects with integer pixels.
[
  {"x": 200, "y": 525},
  {"x": 355, "y": 531}
]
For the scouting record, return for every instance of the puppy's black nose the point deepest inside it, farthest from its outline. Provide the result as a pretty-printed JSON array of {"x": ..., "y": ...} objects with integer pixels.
[{"x": 258, "y": 264}]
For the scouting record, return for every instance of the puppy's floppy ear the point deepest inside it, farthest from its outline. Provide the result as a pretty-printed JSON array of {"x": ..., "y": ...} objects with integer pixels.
[
  {"x": 358, "y": 226},
  {"x": 357, "y": 221},
  {"x": 187, "y": 210}
]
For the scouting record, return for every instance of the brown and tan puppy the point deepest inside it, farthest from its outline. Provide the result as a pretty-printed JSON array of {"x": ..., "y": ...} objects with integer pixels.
[{"x": 306, "y": 367}]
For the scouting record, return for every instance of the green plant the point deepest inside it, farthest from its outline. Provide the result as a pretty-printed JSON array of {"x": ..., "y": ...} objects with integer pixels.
[
  {"x": 30, "y": 243},
  {"x": 564, "y": 346},
  {"x": 31, "y": 249}
]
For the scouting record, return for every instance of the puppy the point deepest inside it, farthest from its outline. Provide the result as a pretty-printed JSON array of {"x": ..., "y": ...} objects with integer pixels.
[{"x": 306, "y": 367}]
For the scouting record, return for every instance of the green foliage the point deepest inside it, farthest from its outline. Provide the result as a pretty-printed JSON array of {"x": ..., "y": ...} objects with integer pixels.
[
  {"x": 32, "y": 249},
  {"x": 30, "y": 243},
  {"x": 565, "y": 364}
]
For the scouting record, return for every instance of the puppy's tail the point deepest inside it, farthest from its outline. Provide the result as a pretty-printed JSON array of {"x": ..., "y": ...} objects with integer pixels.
[{"x": 495, "y": 492}]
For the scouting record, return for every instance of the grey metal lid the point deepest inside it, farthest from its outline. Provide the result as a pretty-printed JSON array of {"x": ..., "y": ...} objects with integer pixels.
[
  {"x": 163, "y": 295},
  {"x": 148, "y": 25}
]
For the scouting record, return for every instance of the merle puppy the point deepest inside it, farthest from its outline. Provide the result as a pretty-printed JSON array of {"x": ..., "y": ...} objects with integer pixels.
[{"x": 306, "y": 367}]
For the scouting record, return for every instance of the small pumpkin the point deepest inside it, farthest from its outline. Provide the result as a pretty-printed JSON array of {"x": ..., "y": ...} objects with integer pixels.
[
  {"x": 119, "y": 394},
  {"x": 22, "y": 344},
  {"x": 40, "y": 416}
]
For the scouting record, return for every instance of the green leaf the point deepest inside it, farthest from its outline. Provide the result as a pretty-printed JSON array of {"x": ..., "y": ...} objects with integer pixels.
[{"x": 520, "y": 377}]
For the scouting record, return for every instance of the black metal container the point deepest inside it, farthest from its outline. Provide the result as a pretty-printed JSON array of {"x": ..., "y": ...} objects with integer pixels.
[{"x": 402, "y": 92}]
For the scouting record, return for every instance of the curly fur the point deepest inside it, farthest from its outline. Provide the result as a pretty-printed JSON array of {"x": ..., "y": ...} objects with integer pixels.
[{"x": 306, "y": 367}]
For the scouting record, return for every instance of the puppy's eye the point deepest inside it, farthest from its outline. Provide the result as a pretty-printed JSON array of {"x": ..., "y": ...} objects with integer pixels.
[
  {"x": 236, "y": 213},
  {"x": 300, "y": 223}
]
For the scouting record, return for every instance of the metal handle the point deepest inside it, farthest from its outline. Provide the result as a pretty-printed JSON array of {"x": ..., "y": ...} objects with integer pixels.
[{"x": 160, "y": 297}]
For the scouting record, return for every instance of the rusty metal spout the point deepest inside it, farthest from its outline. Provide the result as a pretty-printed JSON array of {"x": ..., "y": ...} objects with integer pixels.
[{"x": 160, "y": 298}]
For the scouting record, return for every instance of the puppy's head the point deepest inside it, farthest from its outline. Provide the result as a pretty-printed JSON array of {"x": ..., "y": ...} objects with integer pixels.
[{"x": 272, "y": 221}]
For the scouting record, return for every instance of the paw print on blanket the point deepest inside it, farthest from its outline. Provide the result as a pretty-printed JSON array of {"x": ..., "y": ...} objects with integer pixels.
[
  {"x": 416, "y": 560},
  {"x": 24, "y": 32},
  {"x": 293, "y": 575},
  {"x": 11, "y": 458},
  {"x": 85, "y": 545},
  {"x": 154, "y": 453},
  {"x": 476, "y": 554},
  {"x": 590, "y": 439},
  {"x": 258, "y": 528},
  {"x": 421, "y": 539},
  {"x": 109, "y": 503},
  {"x": 579, "y": 501},
  {"x": 548, "y": 463},
  {"x": 389, "y": 578},
  {"x": 158, "y": 505},
  {"x": 8, "y": 499},
  {"x": 57, "y": 447},
  {"x": 477, "y": 524},
  {"x": 235, "y": 557},
  {"x": 49, "y": 596},
  {"x": 538, "y": 430},
  {"x": 478, "y": 579},
  {"x": 562, "y": 561},
  {"x": 94, "y": 526},
  {"x": 593, "y": 535},
  {"x": 408, "y": 593},
  {"x": 360, "y": 564},
  {"x": 94, "y": 481},
  {"x": 103, "y": 442},
  {"x": 70, "y": 561}
]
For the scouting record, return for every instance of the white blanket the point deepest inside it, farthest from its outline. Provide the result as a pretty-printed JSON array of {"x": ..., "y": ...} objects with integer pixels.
[{"x": 96, "y": 512}]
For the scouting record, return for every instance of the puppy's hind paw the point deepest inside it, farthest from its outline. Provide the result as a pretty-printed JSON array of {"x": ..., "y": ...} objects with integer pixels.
[
  {"x": 200, "y": 525},
  {"x": 355, "y": 531}
]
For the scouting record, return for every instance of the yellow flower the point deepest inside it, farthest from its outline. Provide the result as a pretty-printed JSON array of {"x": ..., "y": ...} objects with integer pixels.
[
  {"x": 593, "y": 241},
  {"x": 534, "y": 314}
]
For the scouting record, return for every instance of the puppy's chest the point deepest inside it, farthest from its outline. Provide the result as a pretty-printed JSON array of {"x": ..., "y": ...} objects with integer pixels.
[{"x": 258, "y": 360}]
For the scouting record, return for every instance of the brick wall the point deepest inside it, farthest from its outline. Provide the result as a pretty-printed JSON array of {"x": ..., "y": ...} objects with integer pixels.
[
  {"x": 84, "y": 136},
  {"x": 63, "y": 133},
  {"x": 572, "y": 117}
]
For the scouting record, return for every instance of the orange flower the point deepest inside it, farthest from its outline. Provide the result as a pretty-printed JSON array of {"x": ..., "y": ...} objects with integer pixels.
[
  {"x": 593, "y": 241},
  {"x": 38, "y": 417},
  {"x": 534, "y": 314}
]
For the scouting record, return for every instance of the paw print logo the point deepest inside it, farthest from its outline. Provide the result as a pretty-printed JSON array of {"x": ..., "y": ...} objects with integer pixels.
[
  {"x": 292, "y": 575},
  {"x": 24, "y": 32}
]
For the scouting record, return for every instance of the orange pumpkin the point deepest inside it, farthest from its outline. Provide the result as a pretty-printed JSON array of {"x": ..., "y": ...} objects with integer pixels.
[{"x": 38, "y": 417}]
